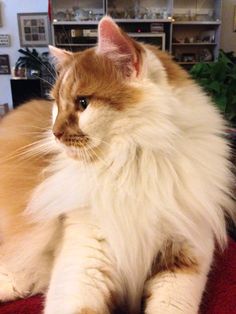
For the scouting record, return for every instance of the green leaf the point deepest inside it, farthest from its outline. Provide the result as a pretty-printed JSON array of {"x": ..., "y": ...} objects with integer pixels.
[
  {"x": 221, "y": 102},
  {"x": 214, "y": 86}
]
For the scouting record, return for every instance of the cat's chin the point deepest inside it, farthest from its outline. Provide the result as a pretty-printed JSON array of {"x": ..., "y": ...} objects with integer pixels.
[
  {"x": 80, "y": 154},
  {"x": 72, "y": 153}
]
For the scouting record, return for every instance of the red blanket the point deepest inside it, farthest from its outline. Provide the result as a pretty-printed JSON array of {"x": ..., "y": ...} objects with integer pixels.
[{"x": 220, "y": 296}]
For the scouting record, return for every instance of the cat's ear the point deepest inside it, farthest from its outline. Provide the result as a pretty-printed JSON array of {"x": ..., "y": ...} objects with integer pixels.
[
  {"x": 116, "y": 45},
  {"x": 59, "y": 56}
]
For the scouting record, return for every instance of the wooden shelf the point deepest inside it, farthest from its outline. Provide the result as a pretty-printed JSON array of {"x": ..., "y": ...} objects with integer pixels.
[
  {"x": 196, "y": 22},
  {"x": 146, "y": 34},
  {"x": 75, "y": 22},
  {"x": 117, "y": 20},
  {"x": 76, "y": 45},
  {"x": 194, "y": 44},
  {"x": 143, "y": 20}
]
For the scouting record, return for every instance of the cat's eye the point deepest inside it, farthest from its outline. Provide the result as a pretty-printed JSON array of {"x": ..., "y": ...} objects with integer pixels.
[{"x": 81, "y": 103}]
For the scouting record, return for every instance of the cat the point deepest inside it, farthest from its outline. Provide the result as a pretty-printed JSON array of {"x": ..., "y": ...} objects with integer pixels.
[{"x": 115, "y": 193}]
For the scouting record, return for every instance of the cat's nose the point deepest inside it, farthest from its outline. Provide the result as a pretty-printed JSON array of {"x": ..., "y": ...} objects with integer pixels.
[{"x": 58, "y": 133}]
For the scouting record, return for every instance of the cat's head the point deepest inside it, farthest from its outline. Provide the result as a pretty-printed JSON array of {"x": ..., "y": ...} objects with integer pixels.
[{"x": 105, "y": 94}]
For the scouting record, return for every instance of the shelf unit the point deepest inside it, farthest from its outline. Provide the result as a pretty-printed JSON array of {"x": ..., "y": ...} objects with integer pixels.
[
  {"x": 196, "y": 30},
  {"x": 190, "y": 30}
]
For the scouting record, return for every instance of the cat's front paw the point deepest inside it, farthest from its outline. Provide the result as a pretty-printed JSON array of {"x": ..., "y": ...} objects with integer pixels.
[
  {"x": 9, "y": 290},
  {"x": 86, "y": 310},
  {"x": 69, "y": 307}
]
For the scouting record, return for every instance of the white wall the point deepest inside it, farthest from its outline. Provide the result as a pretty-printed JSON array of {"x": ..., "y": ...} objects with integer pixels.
[
  {"x": 228, "y": 37},
  {"x": 9, "y": 9}
]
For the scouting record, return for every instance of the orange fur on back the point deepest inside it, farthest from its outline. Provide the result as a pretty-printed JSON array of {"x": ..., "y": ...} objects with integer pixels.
[
  {"x": 175, "y": 74},
  {"x": 20, "y": 172}
]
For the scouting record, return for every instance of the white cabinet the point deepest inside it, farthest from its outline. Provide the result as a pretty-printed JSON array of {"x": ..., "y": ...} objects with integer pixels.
[
  {"x": 196, "y": 30},
  {"x": 190, "y": 30}
]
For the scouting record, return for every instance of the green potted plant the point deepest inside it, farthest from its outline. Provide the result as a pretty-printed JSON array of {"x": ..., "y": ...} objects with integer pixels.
[{"x": 219, "y": 81}]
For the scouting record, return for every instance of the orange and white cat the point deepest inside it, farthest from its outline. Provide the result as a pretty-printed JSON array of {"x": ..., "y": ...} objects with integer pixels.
[{"x": 114, "y": 194}]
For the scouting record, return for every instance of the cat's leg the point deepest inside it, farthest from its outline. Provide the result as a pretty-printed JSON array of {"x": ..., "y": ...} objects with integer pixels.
[
  {"x": 84, "y": 280},
  {"x": 180, "y": 282},
  {"x": 26, "y": 260}
]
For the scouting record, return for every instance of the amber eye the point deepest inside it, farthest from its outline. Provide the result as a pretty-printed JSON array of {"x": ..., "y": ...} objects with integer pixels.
[{"x": 81, "y": 103}]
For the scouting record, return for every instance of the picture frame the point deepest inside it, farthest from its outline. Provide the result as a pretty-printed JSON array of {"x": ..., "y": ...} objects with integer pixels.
[
  {"x": 4, "y": 64},
  {"x": 34, "y": 29}
]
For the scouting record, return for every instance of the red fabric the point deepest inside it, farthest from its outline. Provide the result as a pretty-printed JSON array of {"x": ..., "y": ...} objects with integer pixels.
[{"x": 220, "y": 296}]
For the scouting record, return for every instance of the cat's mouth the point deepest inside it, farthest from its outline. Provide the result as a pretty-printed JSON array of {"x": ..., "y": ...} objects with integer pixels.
[
  {"x": 75, "y": 140},
  {"x": 79, "y": 147}
]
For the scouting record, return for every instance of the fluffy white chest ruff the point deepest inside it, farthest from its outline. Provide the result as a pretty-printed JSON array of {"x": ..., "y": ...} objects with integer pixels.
[
  {"x": 68, "y": 188},
  {"x": 118, "y": 206}
]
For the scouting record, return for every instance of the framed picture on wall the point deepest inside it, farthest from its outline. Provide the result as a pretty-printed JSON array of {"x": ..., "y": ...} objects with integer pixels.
[
  {"x": 4, "y": 64},
  {"x": 34, "y": 29}
]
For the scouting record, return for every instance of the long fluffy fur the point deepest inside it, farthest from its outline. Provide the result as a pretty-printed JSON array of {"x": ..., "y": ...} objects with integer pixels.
[{"x": 162, "y": 172}]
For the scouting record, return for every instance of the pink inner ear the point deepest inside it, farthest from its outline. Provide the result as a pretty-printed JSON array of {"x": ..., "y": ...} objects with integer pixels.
[
  {"x": 110, "y": 38},
  {"x": 113, "y": 44}
]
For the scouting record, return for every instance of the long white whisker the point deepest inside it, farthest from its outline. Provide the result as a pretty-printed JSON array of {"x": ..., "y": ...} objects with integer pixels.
[
  {"x": 43, "y": 64},
  {"x": 26, "y": 149}
]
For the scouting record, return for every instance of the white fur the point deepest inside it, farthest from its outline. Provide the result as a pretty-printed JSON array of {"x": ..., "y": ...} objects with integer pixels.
[{"x": 164, "y": 175}]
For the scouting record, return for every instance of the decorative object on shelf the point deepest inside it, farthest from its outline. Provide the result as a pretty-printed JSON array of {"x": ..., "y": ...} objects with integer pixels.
[
  {"x": 34, "y": 29},
  {"x": 4, "y": 109},
  {"x": 4, "y": 40},
  {"x": 157, "y": 27},
  {"x": 4, "y": 64},
  {"x": 188, "y": 57},
  {"x": 205, "y": 55},
  {"x": 60, "y": 16},
  {"x": 82, "y": 15},
  {"x": 208, "y": 36},
  {"x": 219, "y": 80},
  {"x": 76, "y": 33}
]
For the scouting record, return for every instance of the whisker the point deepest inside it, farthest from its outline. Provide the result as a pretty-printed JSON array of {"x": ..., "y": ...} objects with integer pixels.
[
  {"x": 44, "y": 65},
  {"x": 26, "y": 149},
  {"x": 43, "y": 80},
  {"x": 99, "y": 140},
  {"x": 88, "y": 155}
]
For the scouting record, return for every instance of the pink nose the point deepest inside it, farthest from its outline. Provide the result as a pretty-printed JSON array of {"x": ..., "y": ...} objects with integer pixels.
[{"x": 58, "y": 134}]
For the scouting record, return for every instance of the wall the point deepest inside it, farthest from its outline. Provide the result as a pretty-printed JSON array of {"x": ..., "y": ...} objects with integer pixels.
[
  {"x": 228, "y": 37},
  {"x": 9, "y": 9}
]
